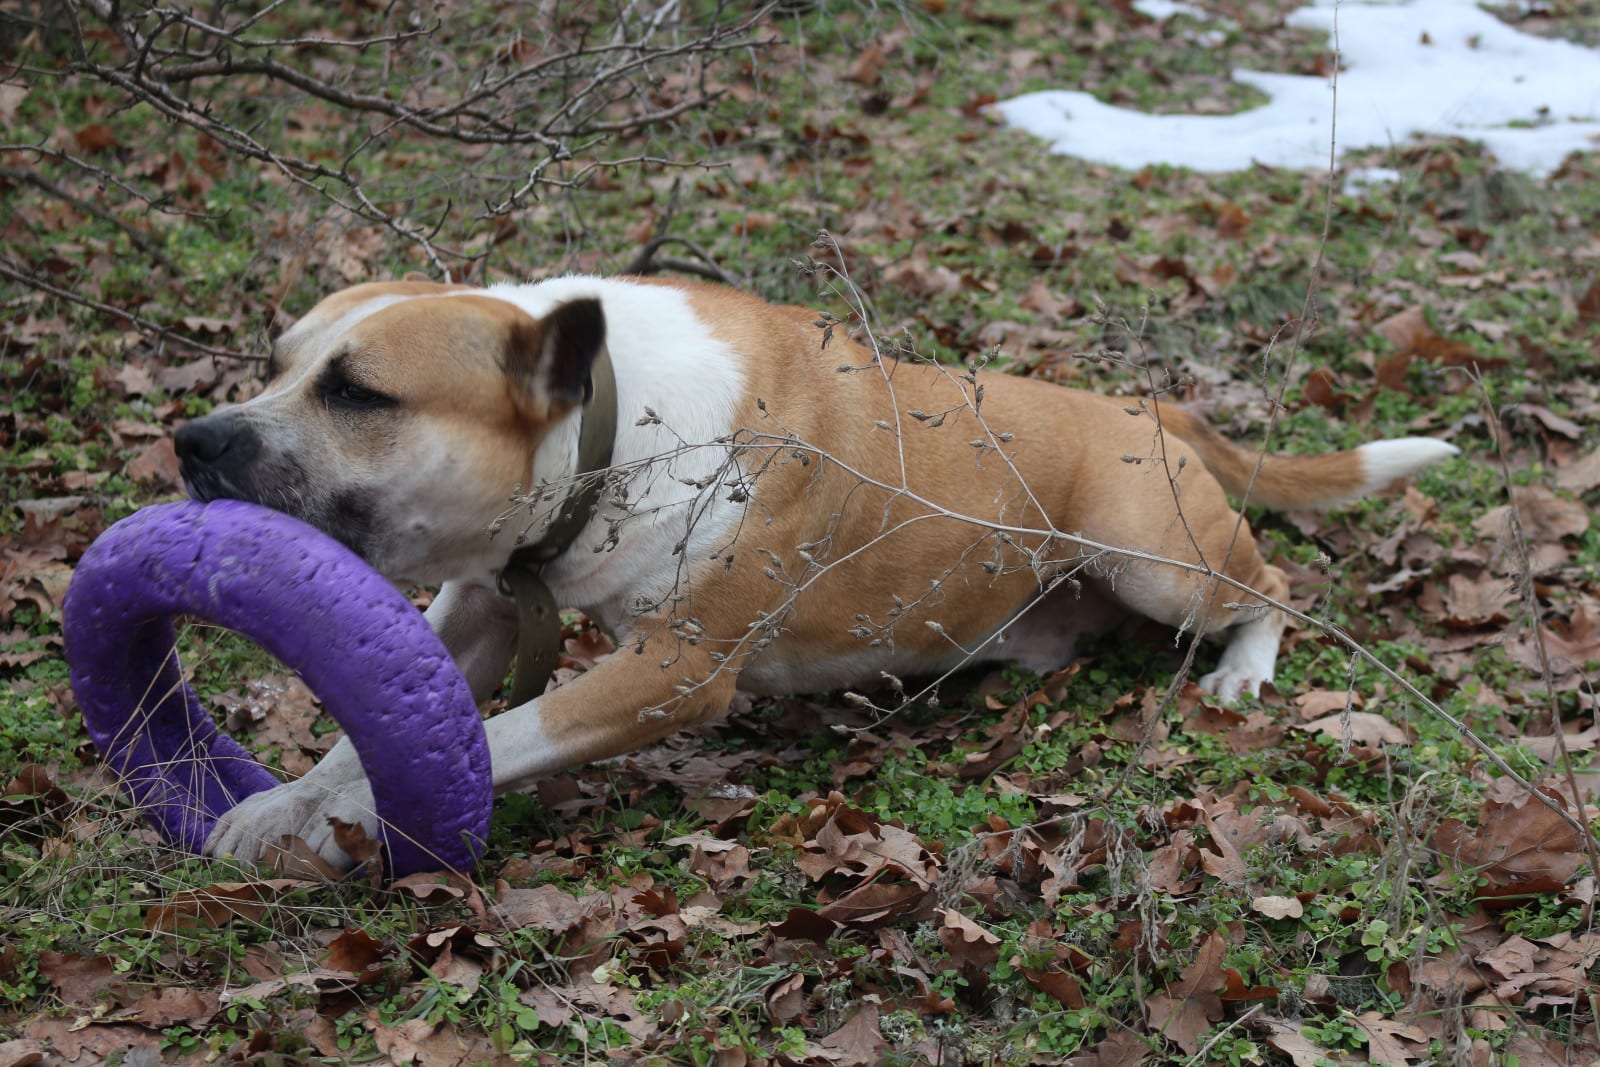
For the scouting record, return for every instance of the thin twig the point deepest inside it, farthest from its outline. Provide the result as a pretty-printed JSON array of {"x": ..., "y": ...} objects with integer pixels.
[
  {"x": 1516, "y": 533},
  {"x": 10, "y": 270}
]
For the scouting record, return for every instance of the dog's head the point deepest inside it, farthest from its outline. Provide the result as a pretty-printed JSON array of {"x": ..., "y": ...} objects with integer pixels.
[{"x": 399, "y": 417}]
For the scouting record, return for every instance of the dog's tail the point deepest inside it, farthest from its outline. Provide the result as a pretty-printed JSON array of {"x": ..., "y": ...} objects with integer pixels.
[{"x": 1286, "y": 482}]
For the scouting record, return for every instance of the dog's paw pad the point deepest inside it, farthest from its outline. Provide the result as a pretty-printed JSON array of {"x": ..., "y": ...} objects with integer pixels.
[
  {"x": 1228, "y": 686},
  {"x": 293, "y": 810}
]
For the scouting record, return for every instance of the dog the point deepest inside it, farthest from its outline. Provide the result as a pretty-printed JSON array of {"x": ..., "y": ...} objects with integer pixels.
[{"x": 783, "y": 510}]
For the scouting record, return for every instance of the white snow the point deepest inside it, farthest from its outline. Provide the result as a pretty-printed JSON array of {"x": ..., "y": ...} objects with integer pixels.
[
  {"x": 1417, "y": 67},
  {"x": 1161, "y": 10},
  {"x": 1363, "y": 178}
]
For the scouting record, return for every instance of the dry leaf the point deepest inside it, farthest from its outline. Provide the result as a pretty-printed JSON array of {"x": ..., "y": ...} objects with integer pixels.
[
  {"x": 1189, "y": 1006},
  {"x": 1391, "y": 1042},
  {"x": 157, "y": 466},
  {"x": 1278, "y": 907},
  {"x": 171, "y": 1005},
  {"x": 859, "y": 1042},
  {"x": 1360, "y": 728},
  {"x": 1411, "y": 336},
  {"x": 219, "y": 903},
  {"x": 1545, "y": 516},
  {"x": 78, "y": 980},
  {"x": 1316, "y": 703},
  {"x": 22, "y": 1053},
  {"x": 1581, "y": 476},
  {"x": 1520, "y": 846},
  {"x": 358, "y": 952},
  {"x": 1472, "y": 602},
  {"x": 786, "y": 1000}
]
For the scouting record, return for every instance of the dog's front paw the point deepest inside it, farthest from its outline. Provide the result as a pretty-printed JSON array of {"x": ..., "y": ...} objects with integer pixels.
[
  {"x": 1228, "y": 685},
  {"x": 302, "y": 809}
]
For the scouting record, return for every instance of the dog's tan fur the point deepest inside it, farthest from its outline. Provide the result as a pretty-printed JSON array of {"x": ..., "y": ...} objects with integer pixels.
[{"x": 840, "y": 536}]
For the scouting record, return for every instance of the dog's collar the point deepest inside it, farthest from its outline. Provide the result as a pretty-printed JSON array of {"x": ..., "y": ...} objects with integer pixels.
[{"x": 538, "y": 616}]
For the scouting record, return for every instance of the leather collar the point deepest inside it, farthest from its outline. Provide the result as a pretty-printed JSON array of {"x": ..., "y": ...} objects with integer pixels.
[{"x": 538, "y": 615}]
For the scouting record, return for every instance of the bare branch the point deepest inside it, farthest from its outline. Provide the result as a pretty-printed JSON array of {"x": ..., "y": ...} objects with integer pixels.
[{"x": 9, "y": 269}]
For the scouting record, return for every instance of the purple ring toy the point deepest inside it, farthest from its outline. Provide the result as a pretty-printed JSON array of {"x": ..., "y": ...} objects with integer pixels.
[{"x": 359, "y": 644}]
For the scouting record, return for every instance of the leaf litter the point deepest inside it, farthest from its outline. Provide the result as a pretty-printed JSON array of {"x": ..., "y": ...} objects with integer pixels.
[{"x": 1111, "y": 900}]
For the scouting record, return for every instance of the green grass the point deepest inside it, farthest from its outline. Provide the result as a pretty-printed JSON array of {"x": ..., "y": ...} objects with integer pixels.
[{"x": 910, "y": 180}]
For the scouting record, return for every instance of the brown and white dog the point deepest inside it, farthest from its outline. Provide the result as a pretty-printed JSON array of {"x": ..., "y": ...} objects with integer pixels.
[{"x": 785, "y": 513}]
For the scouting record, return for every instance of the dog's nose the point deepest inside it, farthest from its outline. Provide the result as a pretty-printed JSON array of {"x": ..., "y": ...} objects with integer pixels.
[{"x": 202, "y": 442}]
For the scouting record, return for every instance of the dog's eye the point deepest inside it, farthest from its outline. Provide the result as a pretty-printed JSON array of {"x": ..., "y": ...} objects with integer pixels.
[{"x": 353, "y": 396}]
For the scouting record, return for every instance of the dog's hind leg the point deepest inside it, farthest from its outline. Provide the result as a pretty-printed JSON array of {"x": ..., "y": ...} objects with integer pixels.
[
  {"x": 1045, "y": 634},
  {"x": 1251, "y": 655}
]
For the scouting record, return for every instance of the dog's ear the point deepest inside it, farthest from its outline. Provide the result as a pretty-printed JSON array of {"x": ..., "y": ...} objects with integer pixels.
[{"x": 548, "y": 359}]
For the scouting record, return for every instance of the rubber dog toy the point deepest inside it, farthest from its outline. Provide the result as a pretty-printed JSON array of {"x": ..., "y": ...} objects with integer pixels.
[{"x": 360, "y": 645}]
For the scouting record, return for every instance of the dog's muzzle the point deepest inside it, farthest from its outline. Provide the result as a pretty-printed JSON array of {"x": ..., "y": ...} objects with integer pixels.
[{"x": 215, "y": 453}]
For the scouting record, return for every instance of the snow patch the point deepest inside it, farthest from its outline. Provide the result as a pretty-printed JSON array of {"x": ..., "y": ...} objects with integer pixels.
[
  {"x": 1160, "y": 10},
  {"x": 1417, "y": 67}
]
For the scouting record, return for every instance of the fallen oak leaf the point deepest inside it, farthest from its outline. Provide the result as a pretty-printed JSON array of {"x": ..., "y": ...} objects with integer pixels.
[
  {"x": 721, "y": 869},
  {"x": 970, "y": 946},
  {"x": 429, "y": 945},
  {"x": 1473, "y": 602},
  {"x": 77, "y": 979},
  {"x": 1065, "y": 989},
  {"x": 195, "y": 376},
  {"x": 171, "y": 1005},
  {"x": 1230, "y": 833},
  {"x": 442, "y": 886},
  {"x": 1120, "y": 1048},
  {"x": 960, "y": 935},
  {"x": 875, "y": 904},
  {"x": 365, "y": 853},
  {"x": 220, "y": 903},
  {"x": 1412, "y": 336},
  {"x": 1317, "y": 703},
  {"x": 34, "y": 788},
  {"x": 1577, "y": 641},
  {"x": 1520, "y": 846},
  {"x": 557, "y": 1005},
  {"x": 785, "y": 999},
  {"x": 1512, "y": 957},
  {"x": 1392, "y": 1042},
  {"x": 1234, "y": 990},
  {"x": 545, "y": 907},
  {"x": 135, "y": 380},
  {"x": 1189, "y": 1006},
  {"x": 1548, "y": 748},
  {"x": 1358, "y": 727},
  {"x": 1581, "y": 476},
  {"x": 21, "y": 1053},
  {"x": 75, "y": 1040},
  {"x": 1556, "y": 424},
  {"x": 859, "y": 1042},
  {"x": 553, "y": 1008},
  {"x": 1289, "y": 1038},
  {"x": 1545, "y": 516},
  {"x": 357, "y": 952},
  {"x": 1171, "y": 865},
  {"x": 291, "y": 857},
  {"x": 319, "y": 980},
  {"x": 1278, "y": 907},
  {"x": 96, "y": 137},
  {"x": 419, "y": 1041},
  {"x": 208, "y": 324},
  {"x": 156, "y": 465},
  {"x": 803, "y": 924}
]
